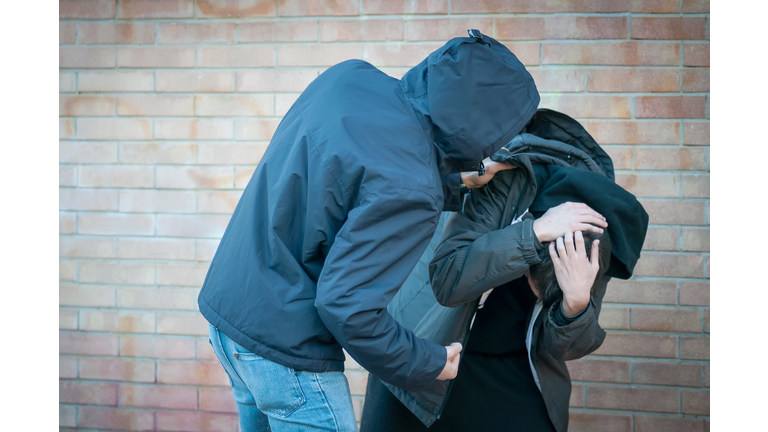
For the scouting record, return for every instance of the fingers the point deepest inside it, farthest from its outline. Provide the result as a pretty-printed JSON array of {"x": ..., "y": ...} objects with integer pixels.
[
  {"x": 453, "y": 350},
  {"x": 595, "y": 256},
  {"x": 578, "y": 240},
  {"x": 569, "y": 246},
  {"x": 589, "y": 227},
  {"x": 560, "y": 244}
]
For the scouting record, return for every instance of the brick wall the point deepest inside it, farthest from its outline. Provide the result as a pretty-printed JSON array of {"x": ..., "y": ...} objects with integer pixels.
[{"x": 167, "y": 106}]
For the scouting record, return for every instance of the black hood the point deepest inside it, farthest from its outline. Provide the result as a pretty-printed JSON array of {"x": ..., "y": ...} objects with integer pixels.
[{"x": 471, "y": 96}]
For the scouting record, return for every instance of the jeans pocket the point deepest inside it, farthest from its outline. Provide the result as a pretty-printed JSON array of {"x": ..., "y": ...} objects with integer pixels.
[{"x": 275, "y": 387}]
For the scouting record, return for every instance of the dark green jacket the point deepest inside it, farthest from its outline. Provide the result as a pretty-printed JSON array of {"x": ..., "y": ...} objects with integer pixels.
[{"x": 479, "y": 250}]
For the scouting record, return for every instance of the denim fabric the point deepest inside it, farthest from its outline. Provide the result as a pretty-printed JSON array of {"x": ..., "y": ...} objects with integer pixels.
[{"x": 272, "y": 397}]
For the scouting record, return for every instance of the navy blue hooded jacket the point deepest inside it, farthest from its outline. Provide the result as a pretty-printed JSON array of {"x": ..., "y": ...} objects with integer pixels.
[{"x": 346, "y": 199}]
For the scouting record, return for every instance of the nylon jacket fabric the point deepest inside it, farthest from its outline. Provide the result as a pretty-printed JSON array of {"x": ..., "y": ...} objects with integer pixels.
[
  {"x": 344, "y": 202},
  {"x": 480, "y": 250}
]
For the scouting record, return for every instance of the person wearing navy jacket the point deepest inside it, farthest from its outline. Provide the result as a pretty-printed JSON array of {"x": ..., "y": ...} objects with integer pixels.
[{"x": 344, "y": 201}]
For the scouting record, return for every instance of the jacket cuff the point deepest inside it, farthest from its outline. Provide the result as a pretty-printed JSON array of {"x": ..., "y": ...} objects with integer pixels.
[
  {"x": 453, "y": 193},
  {"x": 561, "y": 320},
  {"x": 566, "y": 324},
  {"x": 528, "y": 243}
]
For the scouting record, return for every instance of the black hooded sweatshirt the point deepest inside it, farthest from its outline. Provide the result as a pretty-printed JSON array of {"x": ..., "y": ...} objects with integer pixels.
[{"x": 346, "y": 199}]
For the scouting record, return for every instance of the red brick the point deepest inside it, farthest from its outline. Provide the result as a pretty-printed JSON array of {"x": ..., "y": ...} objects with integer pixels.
[
  {"x": 88, "y": 393},
  {"x": 667, "y": 424},
  {"x": 67, "y": 319},
  {"x": 694, "y": 293},
  {"x": 217, "y": 202},
  {"x": 117, "y": 176},
  {"x": 650, "y": 185},
  {"x": 696, "y": 80},
  {"x": 235, "y": 8},
  {"x": 635, "y": 132},
  {"x": 206, "y": 249},
  {"x": 194, "y": 129},
  {"x": 67, "y": 270},
  {"x": 560, "y": 27},
  {"x": 181, "y": 275},
  {"x": 670, "y": 265},
  {"x": 695, "y": 6},
  {"x": 87, "y": 199},
  {"x": 591, "y": 369},
  {"x": 274, "y": 80},
  {"x": 153, "y": 201},
  {"x": 171, "y": 153},
  {"x": 243, "y": 176},
  {"x": 207, "y": 374},
  {"x": 670, "y": 106},
  {"x": 86, "y": 9},
  {"x": 116, "y": 33},
  {"x": 157, "y": 298},
  {"x": 67, "y": 82},
  {"x": 621, "y": 156},
  {"x": 205, "y": 350},
  {"x": 523, "y": 6},
  {"x": 117, "y": 272},
  {"x": 668, "y": 28},
  {"x": 67, "y": 222},
  {"x": 612, "y": 53},
  {"x": 66, "y": 33},
  {"x": 404, "y": 7},
  {"x": 445, "y": 28},
  {"x": 358, "y": 381},
  {"x": 634, "y": 399},
  {"x": 165, "y": 57},
  {"x": 237, "y": 56},
  {"x": 117, "y": 321},
  {"x": 114, "y": 128},
  {"x": 696, "y": 133},
  {"x": 319, "y": 7},
  {"x": 107, "y": 418},
  {"x": 95, "y": 106},
  {"x": 696, "y": 239},
  {"x": 633, "y": 80},
  {"x": 589, "y": 422},
  {"x": 235, "y": 105},
  {"x": 675, "y": 212},
  {"x": 157, "y": 347},
  {"x": 577, "y": 396},
  {"x": 87, "y": 344},
  {"x": 558, "y": 80},
  {"x": 116, "y": 81},
  {"x": 174, "y": 33},
  {"x": 196, "y": 82},
  {"x": 694, "y": 348},
  {"x": 669, "y": 374},
  {"x": 145, "y": 396},
  {"x": 86, "y": 295},
  {"x": 249, "y": 129},
  {"x": 217, "y": 400},
  {"x": 67, "y": 367},
  {"x": 67, "y": 416},
  {"x": 526, "y": 52},
  {"x": 271, "y": 31},
  {"x": 589, "y": 106},
  {"x": 318, "y": 55},
  {"x": 365, "y": 30},
  {"x": 86, "y": 57},
  {"x": 157, "y": 248},
  {"x": 117, "y": 369},
  {"x": 706, "y": 375},
  {"x": 696, "y": 402},
  {"x": 155, "y": 105},
  {"x": 182, "y": 324},
  {"x": 393, "y": 54},
  {"x": 615, "y": 318},
  {"x": 670, "y": 159},
  {"x": 195, "y": 177},
  {"x": 666, "y": 320},
  {"x": 638, "y": 345},
  {"x": 133, "y": 9},
  {"x": 706, "y": 321},
  {"x": 196, "y": 422},
  {"x": 66, "y": 128},
  {"x": 67, "y": 175},
  {"x": 87, "y": 247},
  {"x": 641, "y": 291},
  {"x": 696, "y": 54},
  {"x": 662, "y": 239}
]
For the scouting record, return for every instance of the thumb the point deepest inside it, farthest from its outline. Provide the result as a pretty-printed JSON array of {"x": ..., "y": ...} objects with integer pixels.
[{"x": 453, "y": 349}]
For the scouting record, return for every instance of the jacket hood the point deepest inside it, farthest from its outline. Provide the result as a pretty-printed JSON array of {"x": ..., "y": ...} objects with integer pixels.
[{"x": 471, "y": 96}]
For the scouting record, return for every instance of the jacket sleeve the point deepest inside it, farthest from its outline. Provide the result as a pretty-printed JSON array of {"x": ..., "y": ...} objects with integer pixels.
[
  {"x": 453, "y": 192},
  {"x": 373, "y": 253},
  {"x": 580, "y": 337},
  {"x": 474, "y": 255}
]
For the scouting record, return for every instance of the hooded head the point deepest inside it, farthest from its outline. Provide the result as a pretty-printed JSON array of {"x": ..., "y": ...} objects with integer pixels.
[{"x": 471, "y": 96}]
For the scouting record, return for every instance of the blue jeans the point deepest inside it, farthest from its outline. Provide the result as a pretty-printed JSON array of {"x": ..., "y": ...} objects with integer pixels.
[{"x": 272, "y": 397}]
